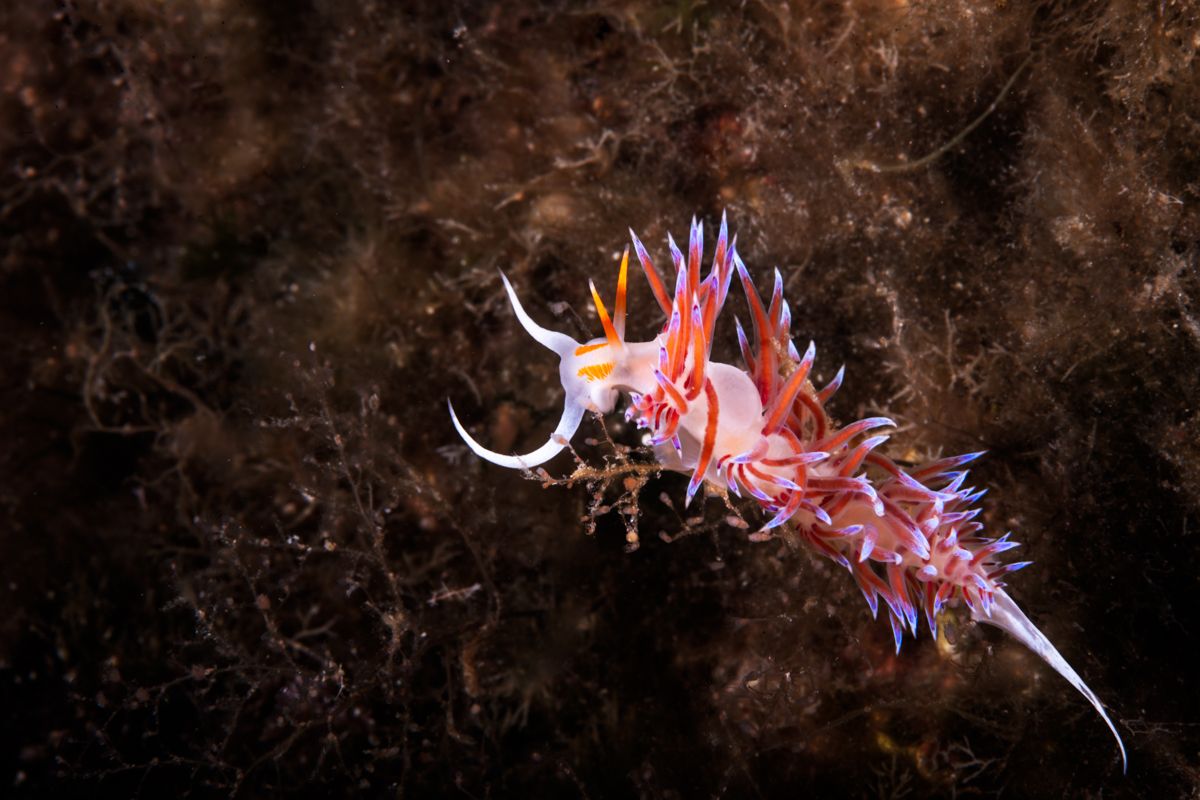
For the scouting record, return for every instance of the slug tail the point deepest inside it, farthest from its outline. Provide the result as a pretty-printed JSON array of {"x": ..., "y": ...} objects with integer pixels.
[{"x": 1007, "y": 615}]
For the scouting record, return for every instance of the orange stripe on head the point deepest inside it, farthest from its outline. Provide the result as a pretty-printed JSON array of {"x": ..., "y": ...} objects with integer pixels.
[
  {"x": 596, "y": 372},
  {"x": 587, "y": 348},
  {"x": 619, "y": 309},
  {"x": 610, "y": 332}
]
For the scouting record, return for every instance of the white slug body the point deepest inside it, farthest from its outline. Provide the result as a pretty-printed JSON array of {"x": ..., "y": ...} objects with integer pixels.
[{"x": 908, "y": 536}]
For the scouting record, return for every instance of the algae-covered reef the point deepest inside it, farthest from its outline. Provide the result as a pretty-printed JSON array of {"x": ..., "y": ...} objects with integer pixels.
[{"x": 249, "y": 249}]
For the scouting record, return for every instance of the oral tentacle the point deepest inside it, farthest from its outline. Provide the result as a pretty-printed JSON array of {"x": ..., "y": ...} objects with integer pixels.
[{"x": 572, "y": 416}]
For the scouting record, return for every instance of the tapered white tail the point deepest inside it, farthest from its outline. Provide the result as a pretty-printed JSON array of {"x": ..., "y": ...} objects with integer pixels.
[{"x": 1007, "y": 615}]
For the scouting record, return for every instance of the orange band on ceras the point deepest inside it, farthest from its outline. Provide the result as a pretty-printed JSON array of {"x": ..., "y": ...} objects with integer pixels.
[
  {"x": 610, "y": 332},
  {"x": 782, "y": 404},
  {"x": 765, "y": 368},
  {"x": 710, "y": 439},
  {"x": 679, "y": 344},
  {"x": 699, "y": 361},
  {"x": 619, "y": 307},
  {"x": 672, "y": 394},
  {"x": 652, "y": 276},
  {"x": 711, "y": 309}
]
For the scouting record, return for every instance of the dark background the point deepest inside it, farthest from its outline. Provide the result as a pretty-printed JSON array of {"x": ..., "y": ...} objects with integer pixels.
[{"x": 248, "y": 249}]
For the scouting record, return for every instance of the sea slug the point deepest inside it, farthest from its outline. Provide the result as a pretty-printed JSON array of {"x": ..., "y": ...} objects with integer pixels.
[{"x": 908, "y": 536}]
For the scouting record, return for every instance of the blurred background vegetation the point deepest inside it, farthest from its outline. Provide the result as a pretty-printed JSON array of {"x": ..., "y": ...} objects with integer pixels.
[{"x": 248, "y": 249}]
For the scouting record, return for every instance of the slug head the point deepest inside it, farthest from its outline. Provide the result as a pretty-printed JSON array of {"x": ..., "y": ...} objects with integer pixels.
[
  {"x": 592, "y": 374},
  {"x": 572, "y": 409}
]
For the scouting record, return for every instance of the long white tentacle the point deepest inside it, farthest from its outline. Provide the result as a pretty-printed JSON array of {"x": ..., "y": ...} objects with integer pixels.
[
  {"x": 558, "y": 342},
  {"x": 1008, "y": 616},
  {"x": 571, "y": 417},
  {"x": 572, "y": 412}
]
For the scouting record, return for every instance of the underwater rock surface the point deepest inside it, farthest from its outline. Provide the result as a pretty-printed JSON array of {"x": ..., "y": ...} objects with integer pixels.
[{"x": 250, "y": 249}]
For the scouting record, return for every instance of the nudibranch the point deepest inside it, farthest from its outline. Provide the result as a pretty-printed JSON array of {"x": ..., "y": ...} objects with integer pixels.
[{"x": 908, "y": 536}]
